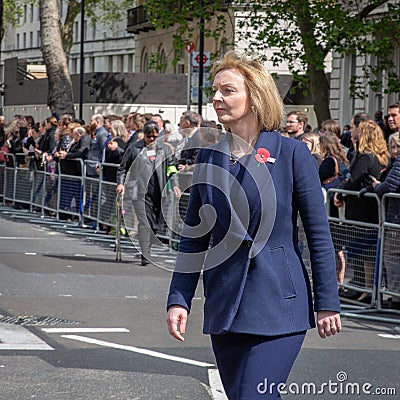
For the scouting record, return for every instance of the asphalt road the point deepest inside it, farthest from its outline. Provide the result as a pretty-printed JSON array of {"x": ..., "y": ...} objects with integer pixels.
[{"x": 54, "y": 277}]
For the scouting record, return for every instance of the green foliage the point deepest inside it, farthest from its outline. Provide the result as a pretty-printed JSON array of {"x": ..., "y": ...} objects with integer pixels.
[
  {"x": 303, "y": 32},
  {"x": 300, "y": 32},
  {"x": 12, "y": 12},
  {"x": 186, "y": 17},
  {"x": 106, "y": 11},
  {"x": 156, "y": 64}
]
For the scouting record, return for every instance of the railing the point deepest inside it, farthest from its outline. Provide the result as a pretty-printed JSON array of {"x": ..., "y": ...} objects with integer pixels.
[{"x": 368, "y": 254}]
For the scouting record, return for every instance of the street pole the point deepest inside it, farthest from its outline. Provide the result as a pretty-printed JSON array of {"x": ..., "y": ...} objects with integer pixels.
[
  {"x": 82, "y": 69},
  {"x": 189, "y": 81},
  {"x": 201, "y": 62}
]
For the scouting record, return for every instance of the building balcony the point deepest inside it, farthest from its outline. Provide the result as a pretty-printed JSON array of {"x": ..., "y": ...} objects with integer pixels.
[{"x": 139, "y": 21}]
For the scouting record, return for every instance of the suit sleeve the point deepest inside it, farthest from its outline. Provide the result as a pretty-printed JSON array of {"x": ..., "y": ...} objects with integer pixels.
[
  {"x": 308, "y": 199},
  {"x": 392, "y": 181},
  {"x": 129, "y": 156}
]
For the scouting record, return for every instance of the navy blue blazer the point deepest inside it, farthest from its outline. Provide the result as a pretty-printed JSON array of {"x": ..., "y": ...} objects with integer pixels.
[{"x": 253, "y": 275}]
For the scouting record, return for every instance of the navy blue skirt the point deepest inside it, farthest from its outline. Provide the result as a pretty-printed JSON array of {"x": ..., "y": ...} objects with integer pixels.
[{"x": 251, "y": 367}]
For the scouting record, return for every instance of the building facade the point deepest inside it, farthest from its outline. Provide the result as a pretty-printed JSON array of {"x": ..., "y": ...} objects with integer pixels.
[{"x": 107, "y": 48}]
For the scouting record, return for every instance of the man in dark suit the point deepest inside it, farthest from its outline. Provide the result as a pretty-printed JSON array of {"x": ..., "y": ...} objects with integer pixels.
[{"x": 189, "y": 126}]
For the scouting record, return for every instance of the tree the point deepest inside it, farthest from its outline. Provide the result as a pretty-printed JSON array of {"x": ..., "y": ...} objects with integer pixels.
[
  {"x": 60, "y": 94},
  {"x": 57, "y": 40},
  {"x": 96, "y": 11},
  {"x": 302, "y": 33}
]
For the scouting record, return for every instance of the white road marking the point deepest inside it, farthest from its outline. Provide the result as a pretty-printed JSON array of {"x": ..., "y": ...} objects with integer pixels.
[
  {"x": 138, "y": 350},
  {"x": 31, "y": 254},
  {"x": 65, "y": 295},
  {"x": 388, "y": 336},
  {"x": 217, "y": 390},
  {"x": 22, "y": 238},
  {"x": 16, "y": 337},
  {"x": 85, "y": 330}
]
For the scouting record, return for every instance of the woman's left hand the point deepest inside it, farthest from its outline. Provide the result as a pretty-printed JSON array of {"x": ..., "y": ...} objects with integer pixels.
[
  {"x": 177, "y": 192},
  {"x": 328, "y": 323}
]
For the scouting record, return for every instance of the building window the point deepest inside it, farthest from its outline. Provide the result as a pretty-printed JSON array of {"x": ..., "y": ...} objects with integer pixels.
[
  {"x": 163, "y": 62},
  {"x": 180, "y": 69},
  {"x": 17, "y": 44},
  {"x": 91, "y": 64},
  {"x": 130, "y": 63},
  {"x": 30, "y": 39},
  {"x": 85, "y": 30},
  {"x": 74, "y": 67},
  {"x": 24, "y": 41},
  {"x": 76, "y": 29},
  {"x": 25, "y": 17},
  {"x": 38, "y": 39},
  {"x": 145, "y": 63},
  {"x": 32, "y": 12}
]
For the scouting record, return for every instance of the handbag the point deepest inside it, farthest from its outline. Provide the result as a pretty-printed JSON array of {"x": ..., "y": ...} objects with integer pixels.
[{"x": 333, "y": 177}]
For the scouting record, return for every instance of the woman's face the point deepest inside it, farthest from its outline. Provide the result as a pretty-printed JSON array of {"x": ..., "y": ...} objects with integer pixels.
[
  {"x": 230, "y": 100},
  {"x": 394, "y": 149},
  {"x": 150, "y": 137},
  {"x": 308, "y": 143}
]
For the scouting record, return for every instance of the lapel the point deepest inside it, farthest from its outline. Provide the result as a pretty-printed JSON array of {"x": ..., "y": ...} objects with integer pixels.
[
  {"x": 221, "y": 184},
  {"x": 270, "y": 141},
  {"x": 267, "y": 199}
]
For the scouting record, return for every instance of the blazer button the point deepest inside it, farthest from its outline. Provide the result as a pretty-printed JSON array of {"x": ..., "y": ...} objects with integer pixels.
[{"x": 249, "y": 243}]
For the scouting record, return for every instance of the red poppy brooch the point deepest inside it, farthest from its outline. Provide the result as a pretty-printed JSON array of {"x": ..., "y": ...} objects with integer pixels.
[{"x": 262, "y": 156}]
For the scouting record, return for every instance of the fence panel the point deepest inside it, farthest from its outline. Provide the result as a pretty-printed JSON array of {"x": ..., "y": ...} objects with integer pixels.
[
  {"x": 357, "y": 246},
  {"x": 9, "y": 178},
  {"x": 368, "y": 255},
  {"x": 70, "y": 189},
  {"x": 2, "y": 177},
  {"x": 389, "y": 271}
]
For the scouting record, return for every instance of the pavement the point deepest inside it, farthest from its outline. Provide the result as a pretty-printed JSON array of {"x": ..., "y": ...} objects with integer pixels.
[{"x": 77, "y": 324}]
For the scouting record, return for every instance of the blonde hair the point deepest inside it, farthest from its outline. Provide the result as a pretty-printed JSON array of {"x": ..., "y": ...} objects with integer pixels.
[
  {"x": 118, "y": 129},
  {"x": 263, "y": 94},
  {"x": 372, "y": 141},
  {"x": 394, "y": 137},
  {"x": 313, "y": 139}
]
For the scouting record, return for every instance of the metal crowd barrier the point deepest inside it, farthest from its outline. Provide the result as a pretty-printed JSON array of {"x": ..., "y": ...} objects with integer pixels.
[
  {"x": 368, "y": 255},
  {"x": 389, "y": 267},
  {"x": 362, "y": 252}
]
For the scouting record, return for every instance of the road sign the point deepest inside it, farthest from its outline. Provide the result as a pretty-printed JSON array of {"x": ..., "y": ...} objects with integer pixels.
[
  {"x": 189, "y": 46},
  {"x": 196, "y": 59}
]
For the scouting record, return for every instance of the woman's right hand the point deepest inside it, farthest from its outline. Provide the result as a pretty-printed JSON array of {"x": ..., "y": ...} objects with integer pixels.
[
  {"x": 176, "y": 320},
  {"x": 337, "y": 202},
  {"x": 120, "y": 188}
]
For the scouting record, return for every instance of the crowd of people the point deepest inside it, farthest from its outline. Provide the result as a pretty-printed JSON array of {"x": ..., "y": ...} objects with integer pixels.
[
  {"x": 363, "y": 156},
  {"x": 248, "y": 304}
]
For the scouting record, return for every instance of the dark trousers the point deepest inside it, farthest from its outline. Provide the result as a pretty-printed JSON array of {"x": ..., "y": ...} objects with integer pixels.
[{"x": 251, "y": 366}]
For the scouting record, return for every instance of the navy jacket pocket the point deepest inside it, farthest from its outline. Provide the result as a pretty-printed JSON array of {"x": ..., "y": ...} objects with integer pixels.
[{"x": 283, "y": 272}]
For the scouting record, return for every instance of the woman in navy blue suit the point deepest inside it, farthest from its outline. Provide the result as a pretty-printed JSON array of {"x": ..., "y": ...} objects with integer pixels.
[{"x": 240, "y": 229}]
